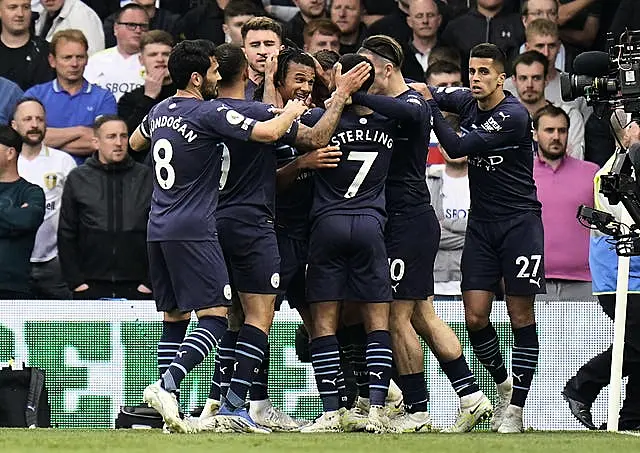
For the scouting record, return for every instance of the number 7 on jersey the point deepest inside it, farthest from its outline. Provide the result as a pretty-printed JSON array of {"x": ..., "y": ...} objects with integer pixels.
[{"x": 367, "y": 158}]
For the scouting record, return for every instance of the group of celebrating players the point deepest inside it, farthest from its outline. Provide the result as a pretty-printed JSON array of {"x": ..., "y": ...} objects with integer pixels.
[{"x": 330, "y": 207}]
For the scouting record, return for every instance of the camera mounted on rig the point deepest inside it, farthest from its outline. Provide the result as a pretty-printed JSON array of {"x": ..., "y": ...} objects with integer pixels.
[{"x": 608, "y": 79}]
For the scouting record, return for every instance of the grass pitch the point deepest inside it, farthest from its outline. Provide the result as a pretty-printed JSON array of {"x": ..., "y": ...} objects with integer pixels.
[{"x": 153, "y": 441}]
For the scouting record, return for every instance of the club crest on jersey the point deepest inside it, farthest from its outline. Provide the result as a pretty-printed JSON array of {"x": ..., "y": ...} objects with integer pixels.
[
  {"x": 234, "y": 118},
  {"x": 275, "y": 280},
  {"x": 227, "y": 292},
  {"x": 50, "y": 180}
]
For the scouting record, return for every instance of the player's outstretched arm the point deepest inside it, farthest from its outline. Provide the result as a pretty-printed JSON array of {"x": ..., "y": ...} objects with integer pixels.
[
  {"x": 271, "y": 130},
  {"x": 346, "y": 84},
  {"x": 318, "y": 159},
  {"x": 137, "y": 141},
  {"x": 449, "y": 99},
  {"x": 411, "y": 110}
]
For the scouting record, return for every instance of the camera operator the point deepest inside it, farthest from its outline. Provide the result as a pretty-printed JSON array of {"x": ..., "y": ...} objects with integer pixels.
[{"x": 582, "y": 389}]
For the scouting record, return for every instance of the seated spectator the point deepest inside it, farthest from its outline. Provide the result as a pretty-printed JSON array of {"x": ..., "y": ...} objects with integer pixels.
[
  {"x": 155, "y": 48},
  {"x": 563, "y": 183},
  {"x": 309, "y": 10},
  {"x": 347, "y": 15},
  {"x": 424, "y": 19},
  {"x": 70, "y": 14},
  {"x": 10, "y": 94},
  {"x": 236, "y": 14},
  {"x": 118, "y": 69},
  {"x": 47, "y": 168},
  {"x": 23, "y": 56},
  {"x": 529, "y": 79},
  {"x": 488, "y": 22},
  {"x": 261, "y": 38},
  {"x": 159, "y": 19},
  {"x": 321, "y": 34},
  {"x": 102, "y": 237},
  {"x": 545, "y": 9},
  {"x": 450, "y": 198},
  {"x": 21, "y": 213},
  {"x": 72, "y": 104}
]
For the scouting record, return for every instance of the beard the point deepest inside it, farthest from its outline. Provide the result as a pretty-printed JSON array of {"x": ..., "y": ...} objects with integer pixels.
[
  {"x": 209, "y": 90},
  {"x": 34, "y": 142},
  {"x": 553, "y": 155}
]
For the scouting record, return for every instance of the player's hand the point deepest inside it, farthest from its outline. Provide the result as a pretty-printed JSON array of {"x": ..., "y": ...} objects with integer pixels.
[
  {"x": 327, "y": 157},
  {"x": 143, "y": 289},
  {"x": 153, "y": 82},
  {"x": 422, "y": 88},
  {"x": 79, "y": 289},
  {"x": 296, "y": 107},
  {"x": 331, "y": 100},
  {"x": 631, "y": 135},
  {"x": 270, "y": 67},
  {"x": 352, "y": 80}
]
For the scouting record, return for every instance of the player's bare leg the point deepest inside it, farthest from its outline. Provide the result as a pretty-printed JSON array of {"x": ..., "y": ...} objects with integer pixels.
[
  {"x": 524, "y": 358},
  {"x": 486, "y": 347},
  {"x": 445, "y": 345},
  {"x": 325, "y": 357}
]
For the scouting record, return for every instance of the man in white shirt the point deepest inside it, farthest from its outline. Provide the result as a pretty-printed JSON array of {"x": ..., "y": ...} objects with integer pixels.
[
  {"x": 65, "y": 14},
  {"x": 48, "y": 168},
  {"x": 118, "y": 69},
  {"x": 544, "y": 9}
]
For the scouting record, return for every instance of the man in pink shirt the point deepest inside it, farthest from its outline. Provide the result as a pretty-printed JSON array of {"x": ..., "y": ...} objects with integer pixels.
[{"x": 563, "y": 183}]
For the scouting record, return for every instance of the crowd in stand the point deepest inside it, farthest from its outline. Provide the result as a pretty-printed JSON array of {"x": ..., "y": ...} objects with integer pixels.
[{"x": 69, "y": 64}]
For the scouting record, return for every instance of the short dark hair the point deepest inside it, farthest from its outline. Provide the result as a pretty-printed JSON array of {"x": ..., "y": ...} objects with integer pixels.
[
  {"x": 9, "y": 137},
  {"x": 444, "y": 53},
  {"x": 386, "y": 47},
  {"x": 232, "y": 62},
  {"x": 351, "y": 60},
  {"x": 188, "y": 57},
  {"x": 25, "y": 100},
  {"x": 530, "y": 57},
  {"x": 262, "y": 23},
  {"x": 327, "y": 58},
  {"x": 241, "y": 8},
  {"x": 103, "y": 119},
  {"x": 552, "y": 111},
  {"x": 491, "y": 51},
  {"x": 442, "y": 67},
  {"x": 323, "y": 25},
  {"x": 126, "y": 8},
  {"x": 155, "y": 37}
]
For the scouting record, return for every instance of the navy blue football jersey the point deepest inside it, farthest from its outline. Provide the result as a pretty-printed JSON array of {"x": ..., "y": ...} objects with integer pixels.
[
  {"x": 293, "y": 204},
  {"x": 248, "y": 176},
  {"x": 406, "y": 187},
  {"x": 499, "y": 145},
  {"x": 185, "y": 134},
  {"x": 356, "y": 185}
]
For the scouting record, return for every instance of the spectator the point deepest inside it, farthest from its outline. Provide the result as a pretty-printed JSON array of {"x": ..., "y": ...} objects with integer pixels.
[
  {"x": 236, "y": 14},
  {"x": 103, "y": 221},
  {"x": 563, "y": 183},
  {"x": 321, "y": 34},
  {"x": 545, "y": 9},
  {"x": 424, "y": 19},
  {"x": 488, "y": 22},
  {"x": 448, "y": 54},
  {"x": 394, "y": 24},
  {"x": 155, "y": 48},
  {"x": 261, "y": 38},
  {"x": 309, "y": 10},
  {"x": 347, "y": 15},
  {"x": 529, "y": 79},
  {"x": 21, "y": 213},
  {"x": 159, "y": 19},
  {"x": 579, "y": 21},
  {"x": 627, "y": 17},
  {"x": 118, "y": 69},
  {"x": 10, "y": 94},
  {"x": 23, "y": 56},
  {"x": 72, "y": 104},
  {"x": 70, "y": 14},
  {"x": 449, "y": 188},
  {"x": 48, "y": 168}
]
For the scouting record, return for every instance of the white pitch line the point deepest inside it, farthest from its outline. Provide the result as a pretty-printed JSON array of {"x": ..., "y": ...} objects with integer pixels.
[{"x": 627, "y": 433}]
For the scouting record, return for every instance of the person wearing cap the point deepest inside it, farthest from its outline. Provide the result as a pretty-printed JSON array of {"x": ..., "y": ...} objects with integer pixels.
[{"x": 21, "y": 213}]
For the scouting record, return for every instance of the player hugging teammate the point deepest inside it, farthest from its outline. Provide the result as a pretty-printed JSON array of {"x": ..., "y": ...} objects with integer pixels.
[{"x": 343, "y": 228}]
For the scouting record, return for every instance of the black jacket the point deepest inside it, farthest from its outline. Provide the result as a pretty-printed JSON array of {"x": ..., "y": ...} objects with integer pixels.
[
  {"x": 103, "y": 222},
  {"x": 35, "y": 69},
  {"x": 203, "y": 22},
  {"x": 134, "y": 105}
]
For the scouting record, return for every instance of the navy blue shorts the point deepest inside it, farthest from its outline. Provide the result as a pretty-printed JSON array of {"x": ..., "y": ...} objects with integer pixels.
[
  {"x": 412, "y": 245},
  {"x": 511, "y": 249},
  {"x": 188, "y": 275},
  {"x": 348, "y": 260},
  {"x": 251, "y": 254},
  {"x": 293, "y": 268}
]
